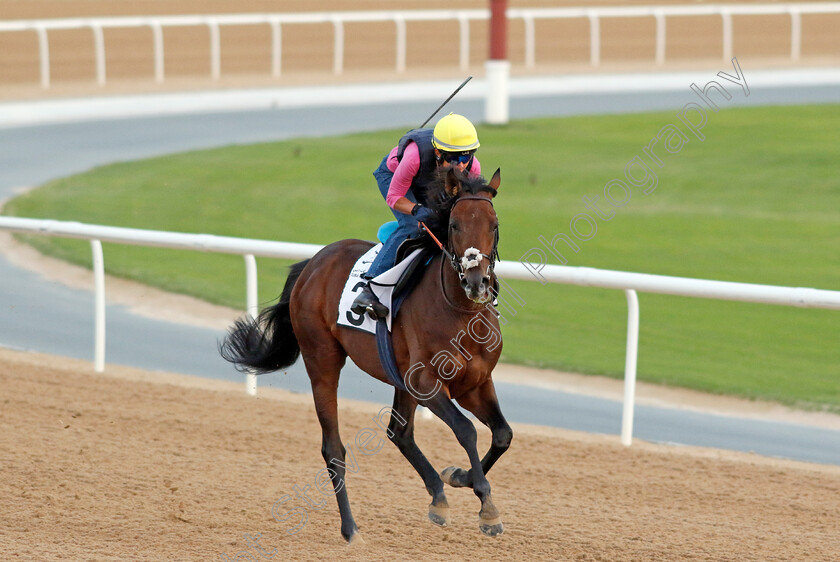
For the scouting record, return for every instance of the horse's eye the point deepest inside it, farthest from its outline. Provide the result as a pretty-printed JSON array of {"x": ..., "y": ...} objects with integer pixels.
[{"x": 454, "y": 226}]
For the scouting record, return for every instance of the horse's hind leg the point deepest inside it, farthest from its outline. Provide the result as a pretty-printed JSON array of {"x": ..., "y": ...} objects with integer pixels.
[
  {"x": 323, "y": 368},
  {"x": 490, "y": 522},
  {"x": 482, "y": 402},
  {"x": 402, "y": 435}
]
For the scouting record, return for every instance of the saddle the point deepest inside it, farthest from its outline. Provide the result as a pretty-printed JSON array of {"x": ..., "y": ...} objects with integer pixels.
[
  {"x": 409, "y": 278},
  {"x": 392, "y": 287}
]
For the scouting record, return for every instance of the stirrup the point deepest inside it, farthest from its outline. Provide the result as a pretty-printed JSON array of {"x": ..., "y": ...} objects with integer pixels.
[{"x": 368, "y": 303}]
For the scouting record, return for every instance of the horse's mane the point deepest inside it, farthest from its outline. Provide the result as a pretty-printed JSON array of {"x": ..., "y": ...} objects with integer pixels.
[{"x": 441, "y": 202}]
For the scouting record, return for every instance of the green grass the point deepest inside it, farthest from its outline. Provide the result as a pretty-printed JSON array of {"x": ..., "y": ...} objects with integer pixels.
[{"x": 757, "y": 201}]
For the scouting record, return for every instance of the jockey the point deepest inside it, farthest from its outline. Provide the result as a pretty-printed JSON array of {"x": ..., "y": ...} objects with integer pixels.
[{"x": 401, "y": 177}]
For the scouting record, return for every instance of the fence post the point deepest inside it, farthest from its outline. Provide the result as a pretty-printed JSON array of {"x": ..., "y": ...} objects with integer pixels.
[
  {"x": 660, "y": 36},
  {"x": 99, "y": 49},
  {"x": 276, "y": 48},
  {"x": 44, "y": 55},
  {"x": 530, "y": 40},
  {"x": 795, "y": 34},
  {"x": 631, "y": 357},
  {"x": 726, "y": 17},
  {"x": 215, "y": 49},
  {"x": 99, "y": 306},
  {"x": 338, "y": 47},
  {"x": 157, "y": 39},
  {"x": 594, "y": 38},
  {"x": 253, "y": 310},
  {"x": 400, "y": 25},
  {"x": 464, "y": 27}
]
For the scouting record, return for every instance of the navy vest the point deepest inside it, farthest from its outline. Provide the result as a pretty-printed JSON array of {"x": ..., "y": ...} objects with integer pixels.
[{"x": 423, "y": 139}]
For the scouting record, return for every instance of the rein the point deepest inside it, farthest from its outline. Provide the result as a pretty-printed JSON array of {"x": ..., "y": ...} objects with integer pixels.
[
  {"x": 453, "y": 260},
  {"x": 449, "y": 302},
  {"x": 439, "y": 245}
]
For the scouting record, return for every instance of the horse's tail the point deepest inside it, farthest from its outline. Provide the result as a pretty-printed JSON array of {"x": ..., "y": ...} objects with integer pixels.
[{"x": 267, "y": 343}]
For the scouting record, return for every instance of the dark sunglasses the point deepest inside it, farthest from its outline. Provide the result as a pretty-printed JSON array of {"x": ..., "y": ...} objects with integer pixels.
[{"x": 456, "y": 157}]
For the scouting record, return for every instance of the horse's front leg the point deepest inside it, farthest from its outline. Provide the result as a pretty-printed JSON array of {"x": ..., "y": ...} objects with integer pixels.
[
  {"x": 484, "y": 404},
  {"x": 490, "y": 522},
  {"x": 401, "y": 433}
]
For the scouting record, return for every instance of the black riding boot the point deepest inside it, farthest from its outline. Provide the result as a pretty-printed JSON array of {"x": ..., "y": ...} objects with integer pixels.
[{"x": 368, "y": 302}]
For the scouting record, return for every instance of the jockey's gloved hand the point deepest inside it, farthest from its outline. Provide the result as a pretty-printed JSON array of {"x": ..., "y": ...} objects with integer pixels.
[{"x": 421, "y": 213}]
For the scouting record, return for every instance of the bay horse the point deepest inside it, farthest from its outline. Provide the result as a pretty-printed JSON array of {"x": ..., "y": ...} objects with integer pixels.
[{"x": 448, "y": 302}]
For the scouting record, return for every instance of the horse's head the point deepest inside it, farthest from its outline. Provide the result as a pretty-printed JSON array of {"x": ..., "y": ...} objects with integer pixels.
[{"x": 473, "y": 233}]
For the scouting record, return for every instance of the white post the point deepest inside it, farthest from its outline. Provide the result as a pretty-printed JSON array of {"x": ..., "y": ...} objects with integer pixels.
[
  {"x": 497, "y": 66},
  {"x": 276, "y": 48},
  {"x": 530, "y": 41},
  {"x": 795, "y": 34},
  {"x": 251, "y": 285},
  {"x": 630, "y": 367},
  {"x": 338, "y": 47},
  {"x": 464, "y": 26},
  {"x": 727, "y": 35},
  {"x": 498, "y": 80},
  {"x": 157, "y": 37},
  {"x": 401, "y": 52},
  {"x": 594, "y": 39},
  {"x": 215, "y": 50},
  {"x": 44, "y": 54},
  {"x": 99, "y": 48},
  {"x": 99, "y": 306},
  {"x": 660, "y": 36},
  {"x": 252, "y": 309}
]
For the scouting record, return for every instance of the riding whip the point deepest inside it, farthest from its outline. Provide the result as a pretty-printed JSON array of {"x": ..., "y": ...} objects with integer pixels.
[{"x": 458, "y": 89}]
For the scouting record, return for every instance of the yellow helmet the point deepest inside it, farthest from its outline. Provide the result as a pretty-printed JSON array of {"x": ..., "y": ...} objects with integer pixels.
[{"x": 455, "y": 133}]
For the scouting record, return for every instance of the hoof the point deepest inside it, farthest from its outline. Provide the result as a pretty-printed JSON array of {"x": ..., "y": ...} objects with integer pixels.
[
  {"x": 439, "y": 515},
  {"x": 454, "y": 476},
  {"x": 491, "y": 527},
  {"x": 355, "y": 539}
]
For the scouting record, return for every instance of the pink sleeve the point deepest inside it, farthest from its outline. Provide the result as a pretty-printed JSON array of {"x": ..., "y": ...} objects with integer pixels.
[
  {"x": 404, "y": 173},
  {"x": 475, "y": 169}
]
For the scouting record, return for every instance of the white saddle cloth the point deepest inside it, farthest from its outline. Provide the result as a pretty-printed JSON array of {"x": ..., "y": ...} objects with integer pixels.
[{"x": 382, "y": 285}]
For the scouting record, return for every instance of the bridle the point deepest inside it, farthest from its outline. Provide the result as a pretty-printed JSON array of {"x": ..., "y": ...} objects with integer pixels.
[{"x": 472, "y": 257}]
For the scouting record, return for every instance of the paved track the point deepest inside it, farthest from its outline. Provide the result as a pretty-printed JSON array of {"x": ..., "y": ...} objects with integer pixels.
[{"x": 53, "y": 140}]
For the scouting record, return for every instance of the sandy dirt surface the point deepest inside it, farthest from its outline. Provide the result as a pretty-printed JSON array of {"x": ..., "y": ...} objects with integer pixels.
[
  {"x": 133, "y": 465},
  {"x": 560, "y": 46}
]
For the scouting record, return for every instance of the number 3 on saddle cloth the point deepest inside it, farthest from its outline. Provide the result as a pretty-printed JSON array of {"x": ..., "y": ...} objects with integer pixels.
[{"x": 391, "y": 287}]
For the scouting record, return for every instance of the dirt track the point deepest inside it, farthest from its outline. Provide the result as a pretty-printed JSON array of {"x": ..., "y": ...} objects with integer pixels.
[
  {"x": 561, "y": 46},
  {"x": 141, "y": 466}
]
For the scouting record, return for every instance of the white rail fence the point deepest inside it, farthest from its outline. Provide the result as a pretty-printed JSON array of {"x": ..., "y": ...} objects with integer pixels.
[
  {"x": 400, "y": 19},
  {"x": 630, "y": 283}
]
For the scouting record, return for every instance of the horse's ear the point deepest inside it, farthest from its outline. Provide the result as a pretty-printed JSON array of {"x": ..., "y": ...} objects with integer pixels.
[
  {"x": 452, "y": 184},
  {"x": 496, "y": 180}
]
